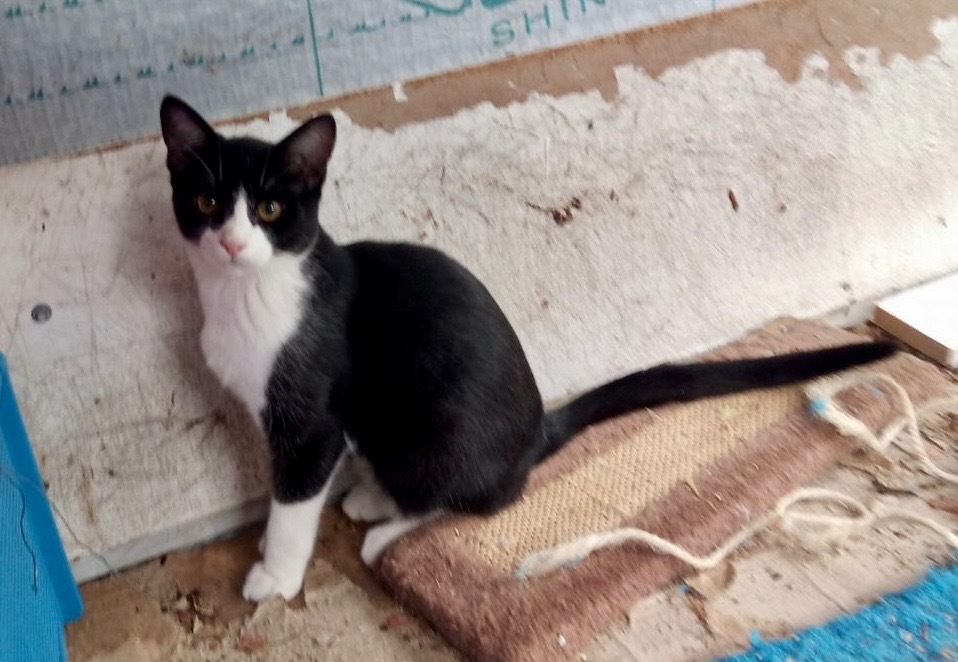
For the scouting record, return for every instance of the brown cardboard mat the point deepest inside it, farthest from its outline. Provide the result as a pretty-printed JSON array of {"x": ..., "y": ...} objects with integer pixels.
[{"x": 693, "y": 473}]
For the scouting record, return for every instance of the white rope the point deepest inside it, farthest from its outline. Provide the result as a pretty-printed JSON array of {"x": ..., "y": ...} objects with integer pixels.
[
  {"x": 785, "y": 515},
  {"x": 822, "y": 396}
]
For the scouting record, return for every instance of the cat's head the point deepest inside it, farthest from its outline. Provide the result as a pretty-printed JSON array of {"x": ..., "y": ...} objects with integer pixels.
[{"x": 241, "y": 202}]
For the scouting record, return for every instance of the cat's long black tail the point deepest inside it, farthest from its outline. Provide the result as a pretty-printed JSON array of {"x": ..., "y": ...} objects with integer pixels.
[{"x": 682, "y": 383}]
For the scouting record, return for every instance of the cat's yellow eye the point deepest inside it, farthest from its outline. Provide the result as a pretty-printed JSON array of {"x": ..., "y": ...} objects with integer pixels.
[
  {"x": 269, "y": 210},
  {"x": 207, "y": 204}
]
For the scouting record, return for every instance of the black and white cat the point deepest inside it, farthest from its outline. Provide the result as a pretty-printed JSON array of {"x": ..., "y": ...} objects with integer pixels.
[{"x": 388, "y": 367}]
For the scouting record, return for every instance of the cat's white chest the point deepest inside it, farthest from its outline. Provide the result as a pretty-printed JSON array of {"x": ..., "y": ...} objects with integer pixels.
[{"x": 247, "y": 320}]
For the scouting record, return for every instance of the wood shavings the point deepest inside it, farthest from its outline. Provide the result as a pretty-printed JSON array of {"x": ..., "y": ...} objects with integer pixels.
[
  {"x": 697, "y": 605},
  {"x": 191, "y": 609},
  {"x": 690, "y": 483},
  {"x": 712, "y": 583},
  {"x": 396, "y": 621},
  {"x": 186, "y": 620},
  {"x": 893, "y": 487},
  {"x": 950, "y": 506},
  {"x": 561, "y": 215},
  {"x": 719, "y": 624},
  {"x": 868, "y": 462},
  {"x": 252, "y": 643}
]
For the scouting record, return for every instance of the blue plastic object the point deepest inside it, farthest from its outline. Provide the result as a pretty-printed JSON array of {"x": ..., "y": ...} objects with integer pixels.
[
  {"x": 38, "y": 594},
  {"x": 920, "y": 623}
]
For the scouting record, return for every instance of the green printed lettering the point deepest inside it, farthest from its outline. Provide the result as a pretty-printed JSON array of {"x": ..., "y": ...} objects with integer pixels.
[
  {"x": 502, "y": 32},
  {"x": 531, "y": 19},
  {"x": 582, "y": 3},
  {"x": 445, "y": 10}
]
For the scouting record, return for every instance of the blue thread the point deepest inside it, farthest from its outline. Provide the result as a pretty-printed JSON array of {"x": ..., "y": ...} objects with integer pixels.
[
  {"x": 573, "y": 562},
  {"x": 817, "y": 407}
]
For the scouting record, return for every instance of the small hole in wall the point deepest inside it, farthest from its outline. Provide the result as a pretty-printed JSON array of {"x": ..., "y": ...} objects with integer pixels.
[{"x": 41, "y": 313}]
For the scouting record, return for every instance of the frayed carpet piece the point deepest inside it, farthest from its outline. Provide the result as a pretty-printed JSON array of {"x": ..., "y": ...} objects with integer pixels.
[{"x": 694, "y": 474}]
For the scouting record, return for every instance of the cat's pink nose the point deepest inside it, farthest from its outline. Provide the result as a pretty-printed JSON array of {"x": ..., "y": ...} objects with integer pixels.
[{"x": 232, "y": 247}]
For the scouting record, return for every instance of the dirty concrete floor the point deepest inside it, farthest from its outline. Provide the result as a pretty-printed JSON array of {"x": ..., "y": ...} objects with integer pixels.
[{"x": 187, "y": 605}]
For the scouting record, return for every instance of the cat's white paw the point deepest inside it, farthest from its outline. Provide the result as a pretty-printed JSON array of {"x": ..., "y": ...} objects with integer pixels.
[
  {"x": 366, "y": 503},
  {"x": 261, "y": 546},
  {"x": 375, "y": 543},
  {"x": 262, "y": 585},
  {"x": 383, "y": 535}
]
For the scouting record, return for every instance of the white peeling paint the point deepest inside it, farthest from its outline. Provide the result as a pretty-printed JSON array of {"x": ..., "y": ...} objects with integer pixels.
[{"x": 399, "y": 94}]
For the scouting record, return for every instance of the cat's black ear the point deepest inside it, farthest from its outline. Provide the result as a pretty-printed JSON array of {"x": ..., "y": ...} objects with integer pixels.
[
  {"x": 308, "y": 148},
  {"x": 184, "y": 132}
]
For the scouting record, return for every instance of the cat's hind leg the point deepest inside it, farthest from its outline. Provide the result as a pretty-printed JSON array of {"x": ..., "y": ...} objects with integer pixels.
[
  {"x": 367, "y": 501},
  {"x": 381, "y": 536},
  {"x": 350, "y": 473}
]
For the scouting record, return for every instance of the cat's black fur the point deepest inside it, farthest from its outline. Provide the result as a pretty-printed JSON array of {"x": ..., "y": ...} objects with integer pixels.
[{"x": 405, "y": 351}]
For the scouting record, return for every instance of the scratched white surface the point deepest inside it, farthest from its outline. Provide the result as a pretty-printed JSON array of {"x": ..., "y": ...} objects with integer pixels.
[
  {"x": 129, "y": 430},
  {"x": 658, "y": 269}
]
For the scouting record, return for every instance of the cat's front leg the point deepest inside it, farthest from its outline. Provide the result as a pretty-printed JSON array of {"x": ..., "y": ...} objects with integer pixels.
[
  {"x": 342, "y": 481},
  {"x": 290, "y": 535}
]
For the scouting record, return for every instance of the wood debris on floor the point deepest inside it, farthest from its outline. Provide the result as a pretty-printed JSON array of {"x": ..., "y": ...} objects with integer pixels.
[{"x": 187, "y": 605}]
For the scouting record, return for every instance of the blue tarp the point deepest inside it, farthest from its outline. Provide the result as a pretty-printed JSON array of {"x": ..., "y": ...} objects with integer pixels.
[{"x": 37, "y": 592}]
